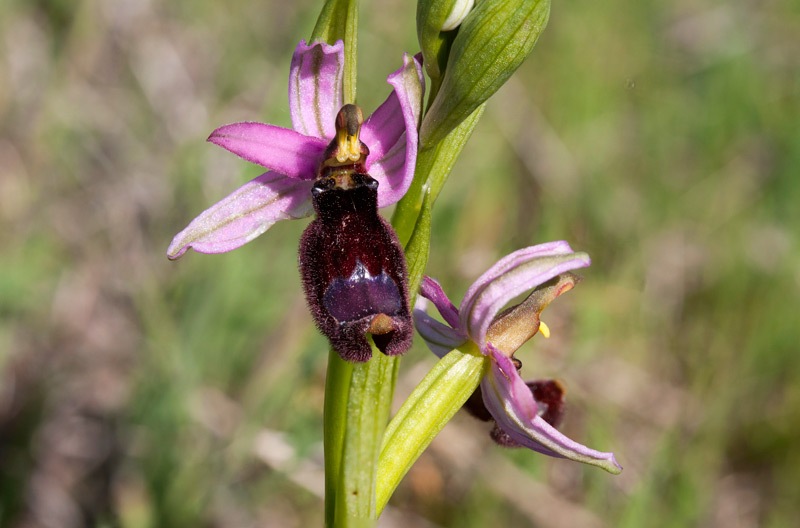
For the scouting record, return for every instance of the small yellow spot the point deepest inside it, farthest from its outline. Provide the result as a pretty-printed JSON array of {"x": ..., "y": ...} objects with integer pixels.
[{"x": 544, "y": 329}]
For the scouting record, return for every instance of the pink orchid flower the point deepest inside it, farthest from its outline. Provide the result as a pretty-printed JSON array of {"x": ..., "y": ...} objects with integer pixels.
[
  {"x": 293, "y": 157},
  {"x": 520, "y": 419}
]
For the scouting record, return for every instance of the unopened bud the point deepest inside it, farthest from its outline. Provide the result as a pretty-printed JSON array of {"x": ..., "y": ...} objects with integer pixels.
[
  {"x": 434, "y": 19},
  {"x": 490, "y": 45},
  {"x": 458, "y": 13}
]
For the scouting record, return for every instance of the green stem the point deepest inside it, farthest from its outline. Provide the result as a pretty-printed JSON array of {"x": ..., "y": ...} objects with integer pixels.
[
  {"x": 369, "y": 401},
  {"x": 434, "y": 163},
  {"x": 358, "y": 398},
  {"x": 337, "y": 388},
  {"x": 338, "y": 20}
]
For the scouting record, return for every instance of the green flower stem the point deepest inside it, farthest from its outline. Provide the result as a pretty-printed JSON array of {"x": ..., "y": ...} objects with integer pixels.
[
  {"x": 418, "y": 249},
  {"x": 431, "y": 405},
  {"x": 339, "y": 21},
  {"x": 370, "y": 397},
  {"x": 337, "y": 389},
  {"x": 348, "y": 386},
  {"x": 434, "y": 163}
]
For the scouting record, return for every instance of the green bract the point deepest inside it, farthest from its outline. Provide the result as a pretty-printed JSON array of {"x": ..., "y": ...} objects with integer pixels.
[
  {"x": 491, "y": 44},
  {"x": 431, "y": 18}
]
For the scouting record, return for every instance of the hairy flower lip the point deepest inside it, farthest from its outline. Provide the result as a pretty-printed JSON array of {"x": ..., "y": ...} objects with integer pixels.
[
  {"x": 294, "y": 156},
  {"x": 509, "y": 400},
  {"x": 353, "y": 271}
]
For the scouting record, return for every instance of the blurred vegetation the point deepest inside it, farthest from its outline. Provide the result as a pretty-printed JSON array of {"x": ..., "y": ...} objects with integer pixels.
[{"x": 662, "y": 138}]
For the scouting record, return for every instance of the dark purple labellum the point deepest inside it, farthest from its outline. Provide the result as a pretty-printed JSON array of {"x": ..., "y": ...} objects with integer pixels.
[
  {"x": 353, "y": 269},
  {"x": 549, "y": 396}
]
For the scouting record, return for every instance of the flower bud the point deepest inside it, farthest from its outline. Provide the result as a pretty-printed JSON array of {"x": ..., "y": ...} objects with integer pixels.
[
  {"x": 458, "y": 13},
  {"x": 491, "y": 44},
  {"x": 435, "y": 17}
]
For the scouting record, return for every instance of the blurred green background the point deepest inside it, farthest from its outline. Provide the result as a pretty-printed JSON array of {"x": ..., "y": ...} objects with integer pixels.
[{"x": 660, "y": 137}]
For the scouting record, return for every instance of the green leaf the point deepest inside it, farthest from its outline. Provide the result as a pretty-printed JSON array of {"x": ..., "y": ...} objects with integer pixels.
[
  {"x": 368, "y": 405},
  {"x": 426, "y": 411}
]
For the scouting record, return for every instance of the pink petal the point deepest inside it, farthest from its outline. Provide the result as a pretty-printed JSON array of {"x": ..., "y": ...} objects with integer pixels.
[
  {"x": 517, "y": 273},
  {"x": 391, "y": 133},
  {"x": 315, "y": 88},
  {"x": 439, "y": 337},
  {"x": 244, "y": 214},
  {"x": 432, "y": 290},
  {"x": 276, "y": 148},
  {"x": 512, "y": 406}
]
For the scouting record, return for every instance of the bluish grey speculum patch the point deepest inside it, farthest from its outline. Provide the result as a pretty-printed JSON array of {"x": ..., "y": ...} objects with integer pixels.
[{"x": 361, "y": 295}]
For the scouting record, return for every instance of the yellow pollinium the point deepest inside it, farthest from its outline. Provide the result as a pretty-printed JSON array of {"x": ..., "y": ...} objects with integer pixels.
[
  {"x": 544, "y": 329},
  {"x": 349, "y": 147}
]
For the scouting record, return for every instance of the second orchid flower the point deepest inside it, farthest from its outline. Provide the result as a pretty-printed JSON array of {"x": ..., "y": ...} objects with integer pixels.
[{"x": 521, "y": 419}]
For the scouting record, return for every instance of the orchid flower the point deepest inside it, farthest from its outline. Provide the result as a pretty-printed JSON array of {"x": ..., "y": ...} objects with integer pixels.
[
  {"x": 521, "y": 418},
  {"x": 294, "y": 157}
]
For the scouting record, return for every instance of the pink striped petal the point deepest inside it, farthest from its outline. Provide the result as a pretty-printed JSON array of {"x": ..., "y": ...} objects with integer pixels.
[
  {"x": 513, "y": 275},
  {"x": 276, "y": 148},
  {"x": 440, "y": 338},
  {"x": 315, "y": 88},
  {"x": 512, "y": 406},
  {"x": 391, "y": 132},
  {"x": 244, "y": 215},
  {"x": 432, "y": 290}
]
